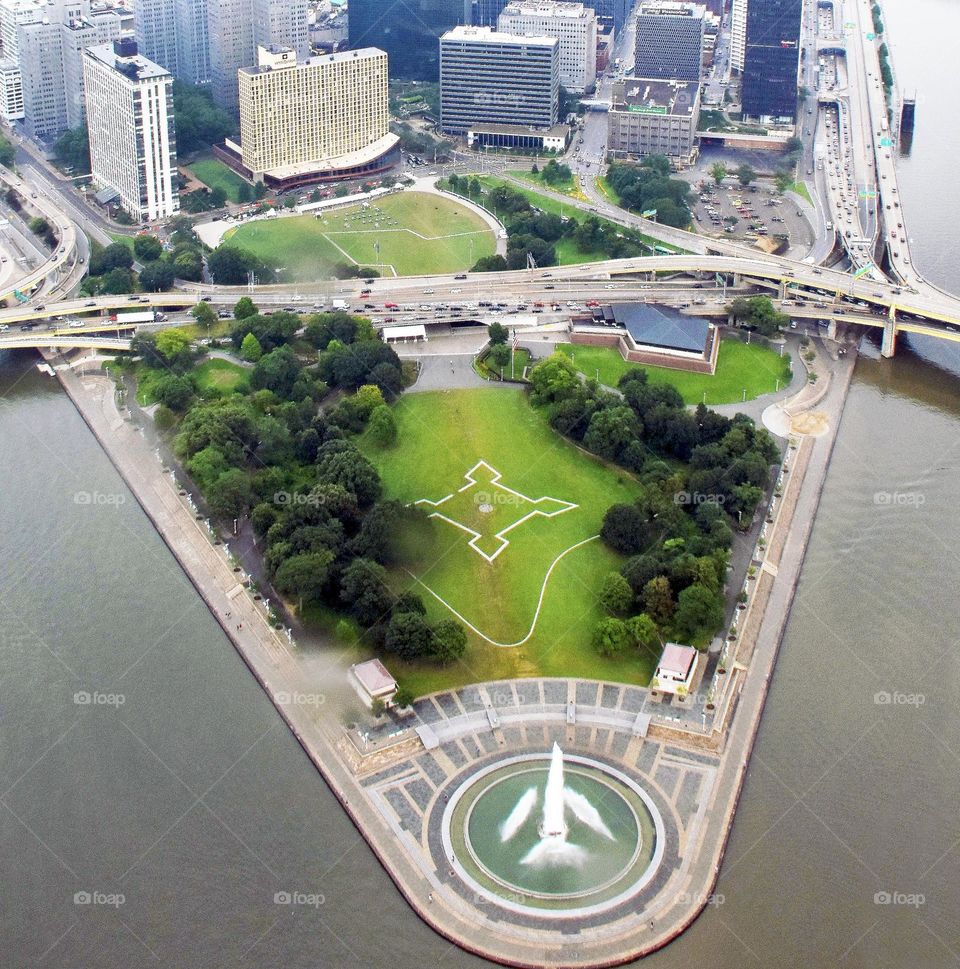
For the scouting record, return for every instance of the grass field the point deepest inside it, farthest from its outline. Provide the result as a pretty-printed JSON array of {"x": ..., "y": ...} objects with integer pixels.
[
  {"x": 740, "y": 367},
  {"x": 529, "y": 470},
  {"x": 416, "y": 232},
  {"x": 214, "y": 174},
  {"x": 569, "y": 187},
  {"x": 221, "y": 375}
]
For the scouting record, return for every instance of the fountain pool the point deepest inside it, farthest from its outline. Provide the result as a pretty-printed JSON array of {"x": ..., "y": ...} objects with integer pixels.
[{"x": 553, "y": 833}]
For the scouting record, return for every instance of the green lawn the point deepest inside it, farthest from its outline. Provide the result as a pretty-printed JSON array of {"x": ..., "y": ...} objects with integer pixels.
[
  {"x": 222, "y": 376},
  {"x": 417, "y": 233},
  {"x": 740, "y": 366},
  {"x": 569, "y": 187},
  {"x": 442, "y": 437},
  {"x": 215, "y": 174},
  {"x": 801, "y": 189}
]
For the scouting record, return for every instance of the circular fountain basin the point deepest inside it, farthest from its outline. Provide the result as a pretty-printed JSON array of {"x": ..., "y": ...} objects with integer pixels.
[{"x": 611, "y": 848}]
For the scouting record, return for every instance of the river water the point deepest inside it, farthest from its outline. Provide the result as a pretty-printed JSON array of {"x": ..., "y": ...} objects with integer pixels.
[{"x": 178, "y": 788}]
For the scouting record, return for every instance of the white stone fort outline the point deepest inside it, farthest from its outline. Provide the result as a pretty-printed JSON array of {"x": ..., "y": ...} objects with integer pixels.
[{"x": 495, "y": 482}]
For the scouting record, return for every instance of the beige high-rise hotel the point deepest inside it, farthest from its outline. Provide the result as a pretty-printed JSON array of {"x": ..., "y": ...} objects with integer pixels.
[{"x": 324, "y": 117}]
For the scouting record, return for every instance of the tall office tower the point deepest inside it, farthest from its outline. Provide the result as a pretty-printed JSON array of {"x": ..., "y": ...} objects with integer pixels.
[
  {"x": 738, "y": 34},
  {"x": 193, "y": 48},
  {"x": 133, "y": 149},
  {"x": 325, "y": 117},
  {"x": 100, "y": 27},
  {"x": 408, "y": 31},
  {"x": 40, "y": 54},
  {"x": 669, "y": 43},
  {"x": 611, "y": 13},
  {"x": 491, "y": 78},
  {"x": 13, "y": 13},
  {"x": 575, "y": 28},
  {"x": 281, "y": 23},
  {"x": 230, "y": 30},
  {"x": 11, "y": 91},
  {"x": 772, "y": 59},
  {"x": 155, "y": 28},
  {"x": 484, "y": 13}
]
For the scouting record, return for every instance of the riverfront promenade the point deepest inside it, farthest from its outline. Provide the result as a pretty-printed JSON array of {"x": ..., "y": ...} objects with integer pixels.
[{"x": 395, "y": 796}]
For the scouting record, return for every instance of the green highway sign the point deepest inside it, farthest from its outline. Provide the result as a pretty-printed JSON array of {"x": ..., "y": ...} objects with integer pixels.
[
  {"x": 867, "y": 193},
  {"x": 863, "y": 270},
  {"x": 649, "y": 214}
]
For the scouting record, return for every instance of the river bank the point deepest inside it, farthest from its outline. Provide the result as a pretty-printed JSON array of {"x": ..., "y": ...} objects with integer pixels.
[{"x": 702, "y": 827}]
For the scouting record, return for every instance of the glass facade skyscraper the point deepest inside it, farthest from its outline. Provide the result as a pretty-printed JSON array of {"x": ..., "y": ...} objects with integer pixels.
[
  {"x": 408, "y": 30},
  {"x": 772, "y": 58}
]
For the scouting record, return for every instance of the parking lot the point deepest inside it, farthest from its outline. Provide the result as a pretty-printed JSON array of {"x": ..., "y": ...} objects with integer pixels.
[{"x": 757, "y": 214}]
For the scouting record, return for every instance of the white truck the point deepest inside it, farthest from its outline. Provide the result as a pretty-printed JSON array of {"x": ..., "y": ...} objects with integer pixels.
[
  {"x": 341, "y": 304},
  {"x": 141, "y": 316}
]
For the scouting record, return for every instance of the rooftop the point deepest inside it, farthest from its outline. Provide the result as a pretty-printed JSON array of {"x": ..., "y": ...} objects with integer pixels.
[
  {"x": 487, "y": 35},
  {"x": 317, "y": 59},
  {"x": 374, "y": 677},
  {"x": 661, "y": 326},
  {"x": 134, "y": 66},
  {"x": 557, "y": 131},
  {"x": 548, "y": 8},
  {"x": 677, "y": 659},
  {"x": 643, "y": 95},
  {"x": 671, "y": 8}
]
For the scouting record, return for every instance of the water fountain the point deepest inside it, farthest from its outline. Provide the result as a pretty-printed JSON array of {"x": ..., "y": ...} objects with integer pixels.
[{"x": 552, "y": 832}]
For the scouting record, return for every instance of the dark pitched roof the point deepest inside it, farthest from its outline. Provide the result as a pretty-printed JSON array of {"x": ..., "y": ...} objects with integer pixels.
[{"x": 662, "y": 326}]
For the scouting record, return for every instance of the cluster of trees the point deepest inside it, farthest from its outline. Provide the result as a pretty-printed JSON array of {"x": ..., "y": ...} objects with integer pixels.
[
  {"x": 535, "y": 232},
  {"x": 648, "y": 186},
  {"x": 744, "y": 173},
  {"x": 110, "y": 269},
  {"x": 314, "y": 500},
  {"x": 8, "y": 154},
  {"x": 352, "y": 354},
  {"x": 678, "y": 531},
  {"x": 43, "y": 230},
  {"x": 199, "y": 122},
  {"x": 72, "y": 150},
  {"x": 554, "y": 174},
  {"x": 758, "y": 313},
  {"x": 418, "y": 142},
  {"x": 231, "y": 266}
]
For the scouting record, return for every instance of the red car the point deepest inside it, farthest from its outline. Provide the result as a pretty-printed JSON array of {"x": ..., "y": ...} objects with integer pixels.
[{"x": 593, "y": 302}]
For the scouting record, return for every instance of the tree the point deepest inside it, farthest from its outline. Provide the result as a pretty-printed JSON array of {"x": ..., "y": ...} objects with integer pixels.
[
  {"x": 114, "y": 256},
  {"x": 699, "y": 614},
  {"x": 409, "y": 636},
  {"x": 410, "y": 602},
  {"x": 340, "y": 463},
  {"x": 203, "y": 313},
  {"x": 610, "y": 637},
  {"x": 623, "y": 529},
  {"x": 643, "y": 631},
  {"x": 611, "y": 430},
  {"x": 174, "y": 346},
  {"x": 783, "y": 180},
  {"x": 231, "y": 266},
  {"x": 72, "y": 150},
  {"x": 250, "y": 349},
  {"x": 199, "y": 122},
  {"x": 449, "y": 641},
  {"x": 244, "y": 193},
  {"x": 230, "y": 495},
  {"x": 658, "y": 600},
  {"x": 404, "y": 697},
  {"x": 718, "y": 172},
  {"x": 554, "y": 378},
  {"x": 382, "y": 427},
  {"x": 173, "y": 391},
  {"x": 304, "y": 575},
  {"x": 157, "y": 276},
  {"x": 367, "y": 398},
  {"x": 363, "y": 589},
  {"x": 218, "y": 197},
  {"x": 616, "y": 596},
  {"x": 745, "y": 174},
  {"x": 499, "y": 356},
  {"x": 147, "y": 247},
  {"x": 489, "y": 264},
  {"x": 244, "y": 307},
  {"x": 259, "y": 190},
  {"x": 498, "y": 333},
  {"x": 276, "y": 371}
]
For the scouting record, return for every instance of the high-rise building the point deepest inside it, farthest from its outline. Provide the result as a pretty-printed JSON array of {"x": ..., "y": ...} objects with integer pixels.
[
  {"x": 133, "y": 150},
  {"x": 408, "y": 31},
  {"x": 230, "y": 30},
  {"x": 100, "y": 27},
  {"x": 611, "y": 13},
  {"x": 772, "y": 59},
  {"x": 193, "y": 47},
  {"x": 11, "y": 91},
  {"x": 325, "y": 117},
  {"x": 155, "y": 28},
  {"x": 738, "y": 34},
  {"x": 669, "y": 40},
  {"x": 575, "y": 28},
  {"x": 484, "y": 13},
  {"x": 281, "y": 23},
  {"x": 650, "y": 117},
  {"x": 491, "y": 78}
]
